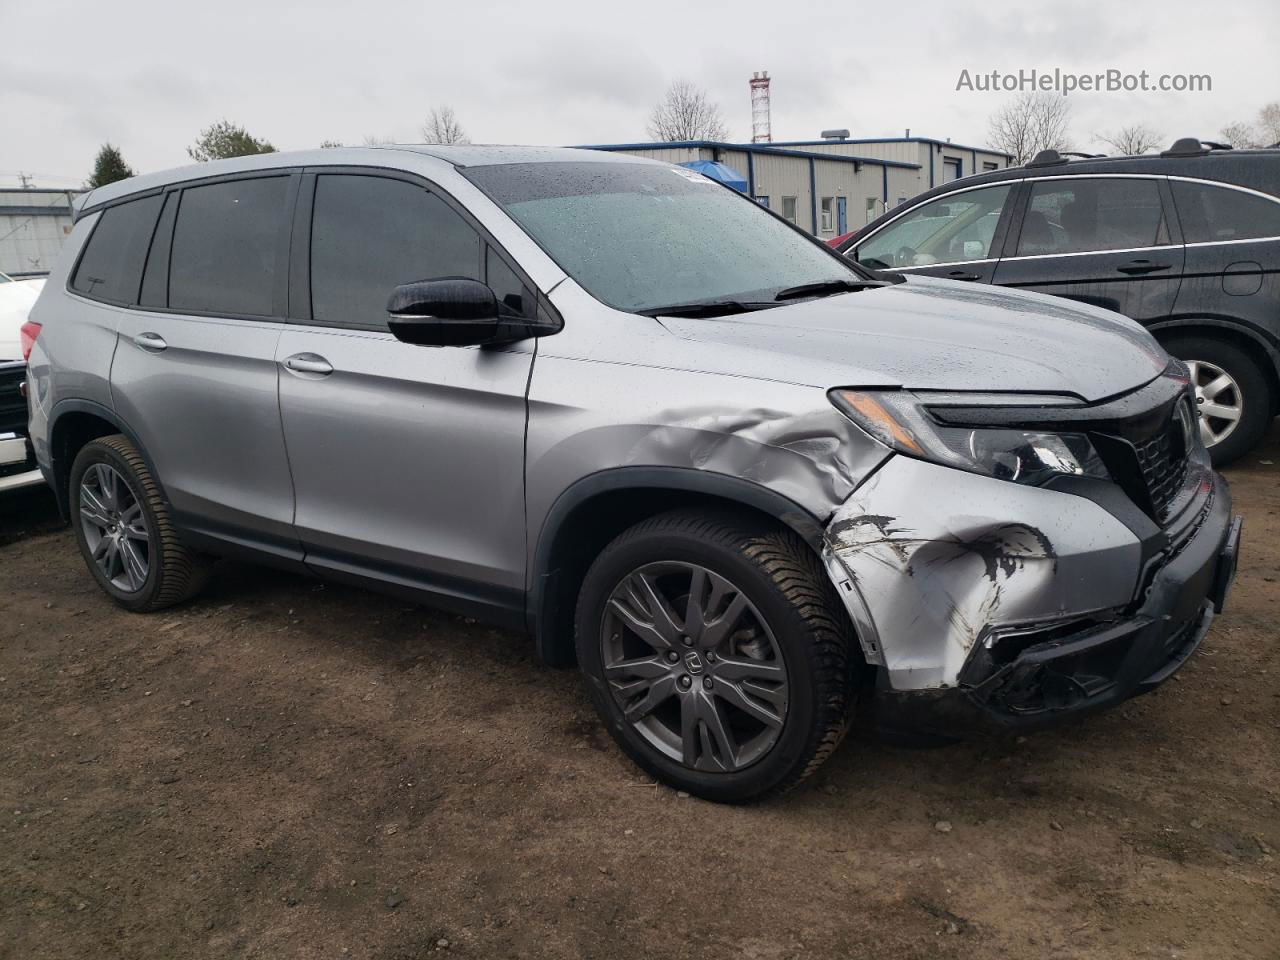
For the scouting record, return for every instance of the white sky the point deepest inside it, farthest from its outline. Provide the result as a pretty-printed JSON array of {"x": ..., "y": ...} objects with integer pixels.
[{"x": 147, "y": 75}]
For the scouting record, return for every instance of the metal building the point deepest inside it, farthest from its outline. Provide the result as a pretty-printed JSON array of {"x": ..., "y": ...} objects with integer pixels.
[
  {"x": 34, "y": 224},
  {"x": 833, "y": 185}
]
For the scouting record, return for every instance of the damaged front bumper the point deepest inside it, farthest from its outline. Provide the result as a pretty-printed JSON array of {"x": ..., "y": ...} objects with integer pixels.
[{"x": 990, "y": 605}]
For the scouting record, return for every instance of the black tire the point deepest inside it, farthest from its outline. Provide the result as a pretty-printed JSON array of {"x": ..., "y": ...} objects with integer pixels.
[
  {"x": 174, "y": 572},
  {"x": 785, "y": 584},
  {"x": 1255, "y": 397}
]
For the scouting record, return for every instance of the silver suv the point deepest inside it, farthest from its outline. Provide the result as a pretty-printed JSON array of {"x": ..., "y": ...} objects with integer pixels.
[{"x": 744, "y": 483}]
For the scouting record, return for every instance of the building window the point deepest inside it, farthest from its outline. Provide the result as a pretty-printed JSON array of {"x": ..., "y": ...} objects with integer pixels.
[
  {"x": 763, "y": 201},
  {"x": 873, "y": 208},
  {"x": 789, "y": 209},
  {"x": 827, "y": 204},
  {"x": 990, "y": 165}
]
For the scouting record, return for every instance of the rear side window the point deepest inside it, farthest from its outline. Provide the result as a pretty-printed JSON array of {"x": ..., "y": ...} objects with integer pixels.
[
  {"x": 1209, "y": 214},
  {"x": 225, "y": 246},
  {"x": 111, "y": 267},
  {"x": 369, "y": 235},
  {"x": 1077, "y": 216}
]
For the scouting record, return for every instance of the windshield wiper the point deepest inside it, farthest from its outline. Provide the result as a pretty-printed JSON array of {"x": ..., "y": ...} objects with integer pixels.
[
  {"x": 826, "y": 288},
  {"x": 706, "y": 308}
]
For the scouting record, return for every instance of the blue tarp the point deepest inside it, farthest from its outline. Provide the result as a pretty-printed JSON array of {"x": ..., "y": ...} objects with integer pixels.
[{"x": 718, "y": 171}]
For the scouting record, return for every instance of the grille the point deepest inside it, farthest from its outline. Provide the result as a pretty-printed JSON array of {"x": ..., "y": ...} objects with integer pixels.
[
  {"x": 13, "y": 405},
  {"x": 1162, "y": 459}
]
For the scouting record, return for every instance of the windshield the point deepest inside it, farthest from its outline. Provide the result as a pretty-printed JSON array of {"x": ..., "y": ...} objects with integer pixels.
[{"x": 640, "y": 236}]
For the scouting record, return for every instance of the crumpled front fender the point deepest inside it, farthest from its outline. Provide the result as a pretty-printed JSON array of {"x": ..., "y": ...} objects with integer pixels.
[{"x": 931, "y": 560}]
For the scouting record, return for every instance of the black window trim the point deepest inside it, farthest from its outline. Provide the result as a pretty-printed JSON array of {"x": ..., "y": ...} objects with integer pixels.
[
  {"x": 280, "y": 292},
  {"x": 300, "y": 261}
]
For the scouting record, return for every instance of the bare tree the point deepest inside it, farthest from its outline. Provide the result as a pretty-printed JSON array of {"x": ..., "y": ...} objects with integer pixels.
[
  {"x": 1269, "y": 123},
  {"x": 1133, "y": 140},
  {"x": 686, "y": 113},
  {"x": 443, "y": 127},
  {"x": 1239, "y": 135},
  {"x": 330, "y": 144},
  {"x": 1030, "y": 123},
  {"x": 378, "y": 140}
]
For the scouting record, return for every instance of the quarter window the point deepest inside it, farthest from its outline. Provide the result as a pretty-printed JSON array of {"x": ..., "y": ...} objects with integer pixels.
[
  {"x": 948, "y": 229},
  {"x": 371, "y": 234},
  {"x": 111, "y": 267},
  {"x": 1077, "y": 216},
  {"x": 1210, "y": 214},
  {"x": 225, "y": 247}
]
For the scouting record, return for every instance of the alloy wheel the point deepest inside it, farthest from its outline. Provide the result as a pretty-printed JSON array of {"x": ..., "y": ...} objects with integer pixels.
[
  {"x": 115, "y": 528},
  {"x": 1218, "y": 400},
  {"x": 693, "y": 666}
]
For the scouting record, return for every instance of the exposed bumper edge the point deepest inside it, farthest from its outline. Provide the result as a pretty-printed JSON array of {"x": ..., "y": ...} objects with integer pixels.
[{"x": 18, "y": 481}]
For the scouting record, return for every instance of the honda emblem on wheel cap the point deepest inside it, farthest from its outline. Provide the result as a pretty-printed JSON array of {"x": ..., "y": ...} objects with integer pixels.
[{"x": 693, "y": 662}]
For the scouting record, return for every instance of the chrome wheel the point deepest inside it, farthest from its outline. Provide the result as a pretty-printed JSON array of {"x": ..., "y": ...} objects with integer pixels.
[
  {"x": 115, "y": 528},
  {"x": 1218, "y": 401},
  {"x": 693, "y": 666}
]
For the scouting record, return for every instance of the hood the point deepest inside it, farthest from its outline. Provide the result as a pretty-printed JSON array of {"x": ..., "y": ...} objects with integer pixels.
[
  {"x": 16, "y": 300},
  {"x": 932, "y": 334}
]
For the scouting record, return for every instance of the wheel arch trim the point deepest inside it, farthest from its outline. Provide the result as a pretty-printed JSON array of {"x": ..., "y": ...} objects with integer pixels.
[
  {"x": 679, "y": 480},
  {"x": 60, "y": 479}
]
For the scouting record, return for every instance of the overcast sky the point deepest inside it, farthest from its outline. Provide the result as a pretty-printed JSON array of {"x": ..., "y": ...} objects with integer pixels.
[{"x": 148, "y": 75}]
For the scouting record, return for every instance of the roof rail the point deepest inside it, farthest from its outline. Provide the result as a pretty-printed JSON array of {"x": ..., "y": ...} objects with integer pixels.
[
  {"x": 1047, "y": 158},
  {"x": 1081, "y": 156},
  {"x": 1191, "y": 147}
]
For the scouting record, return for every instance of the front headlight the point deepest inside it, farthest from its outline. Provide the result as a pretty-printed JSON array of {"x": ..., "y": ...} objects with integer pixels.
[{"x": 901, "y": 420}]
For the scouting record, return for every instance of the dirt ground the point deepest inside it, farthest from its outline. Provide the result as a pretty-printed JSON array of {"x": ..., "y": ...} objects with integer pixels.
[{"x": 284, "y": 769}]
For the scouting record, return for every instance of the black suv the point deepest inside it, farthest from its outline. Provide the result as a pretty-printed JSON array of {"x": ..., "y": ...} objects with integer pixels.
[{"x": 1187, "y": 243}]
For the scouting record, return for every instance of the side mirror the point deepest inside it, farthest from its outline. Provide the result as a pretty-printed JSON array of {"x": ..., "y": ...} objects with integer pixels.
[{"x": 452, "y": 312}]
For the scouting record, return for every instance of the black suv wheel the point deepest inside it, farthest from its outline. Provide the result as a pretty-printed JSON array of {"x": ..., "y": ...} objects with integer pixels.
[
  {"x": 717, "y": 654},
  {"x": 124, "y": 532},
  {"x": 1232, "y": 395}
]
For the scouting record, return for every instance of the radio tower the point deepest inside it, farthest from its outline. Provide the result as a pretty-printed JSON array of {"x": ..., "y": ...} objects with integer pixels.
[{"x": 760, "y": 132}]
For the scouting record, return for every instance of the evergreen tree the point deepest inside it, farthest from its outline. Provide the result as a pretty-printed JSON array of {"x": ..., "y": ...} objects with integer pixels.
[{"x": 108, "y": 167}]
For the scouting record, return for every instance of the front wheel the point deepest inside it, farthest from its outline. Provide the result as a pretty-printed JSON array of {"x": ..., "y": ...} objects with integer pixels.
[
  {"x": 717, "y": 654},
  {"x": 1232, "y": 396}
]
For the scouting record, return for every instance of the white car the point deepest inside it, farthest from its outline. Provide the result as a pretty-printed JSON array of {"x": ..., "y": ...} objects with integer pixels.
[{"x": 17, "y": 465}]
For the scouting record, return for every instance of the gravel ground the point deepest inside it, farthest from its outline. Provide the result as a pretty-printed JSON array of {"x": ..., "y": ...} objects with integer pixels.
[{"x": 285, "y": 769}]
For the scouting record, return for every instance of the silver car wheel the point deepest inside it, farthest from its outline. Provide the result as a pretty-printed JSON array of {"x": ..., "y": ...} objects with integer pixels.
[
  {"x": 693, "y": 666},
  {"x": 115, "y": 528},
  {"x": 1218, "y": 400}
]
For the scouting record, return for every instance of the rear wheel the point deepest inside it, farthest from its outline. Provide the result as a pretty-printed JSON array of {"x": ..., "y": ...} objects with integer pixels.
[
  {"x": 123, "y": 528},
  {"x": 1232, "y": 396},
  {"x": 716, "y": 653}
]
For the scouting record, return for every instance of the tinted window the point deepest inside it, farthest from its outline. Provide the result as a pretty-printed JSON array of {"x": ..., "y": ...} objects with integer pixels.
[
  {"x": 1216, "y": 213},
  {"x": 642, "y": 237},
  {"x": 225, "y": 246},
  {"x": 949, "y": 229},
  {"x": 371, "y": 234},
  {"x": 507, "y": 286},
  {"x": 1074, "y": 216},
  {"x": 111, "y": 268}
]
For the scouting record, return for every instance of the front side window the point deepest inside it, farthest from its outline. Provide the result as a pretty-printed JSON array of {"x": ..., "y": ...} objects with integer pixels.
[
  {"x": 371, "y": 234},
  {"x": 1211, "y": 214},
  {"x": 1082, "y": 215},
  {"x": 111, "y": 267},
  {"x": 225, "y": 246},
  {"x": 640, "y": 237},
  {"x": 948, "y": 229}
]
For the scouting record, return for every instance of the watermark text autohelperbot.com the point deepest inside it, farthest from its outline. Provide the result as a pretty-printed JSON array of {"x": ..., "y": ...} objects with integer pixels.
[{"x": 1067, "y": 83}]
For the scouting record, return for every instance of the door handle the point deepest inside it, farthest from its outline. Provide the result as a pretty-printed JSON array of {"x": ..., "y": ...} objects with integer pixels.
[
  {"x": 151, "y": 342},
  {"x": 1136, "y": 267},
  {"x": 961, "y": 275},
  {"x": 308, "y": 363}
]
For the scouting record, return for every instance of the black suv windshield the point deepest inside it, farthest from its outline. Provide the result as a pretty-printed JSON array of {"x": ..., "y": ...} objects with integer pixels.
[{"x": 641, "y": 237}]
